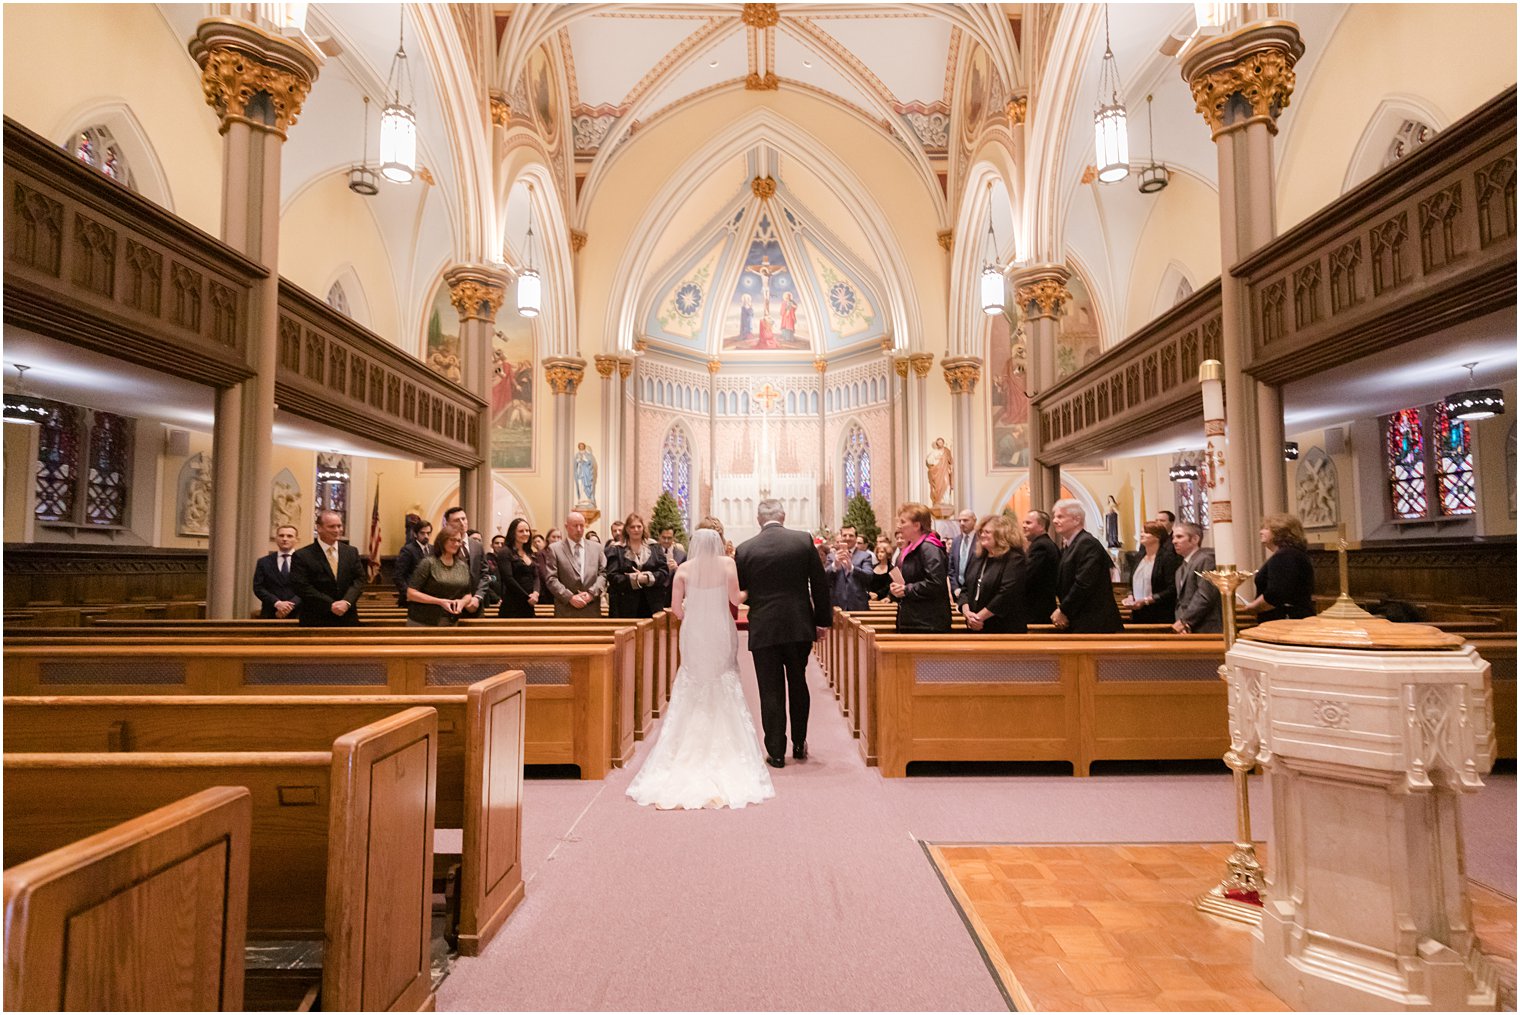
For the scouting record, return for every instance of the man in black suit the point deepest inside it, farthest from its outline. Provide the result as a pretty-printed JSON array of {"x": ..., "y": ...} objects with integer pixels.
[
  {"x": 1197, "y": 598},
  {"x": 271, "y": 577},
  {"x": 962, "y": 549},
  {"x": 328, "y": 576},
  {"x": 1043, "y": 560},
  {"x": 472, "y": 551},
  {"x": 409, "y": 557},
  {"x": 1082, "y": 579},
  {"x": 675, "y": 556},
  {"x": 788, "y": 611}
]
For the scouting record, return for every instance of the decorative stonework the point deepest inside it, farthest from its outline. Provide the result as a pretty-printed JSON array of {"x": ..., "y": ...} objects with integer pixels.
[
  {"x": 475, "y": 297},
  {"x": 921, "y": 362},
  {"x": 900, "y": 366},
  {"x": 1047, "y": 296},
  {"x": 946, "y": 238},
  {"x": 605, "y": 365},
  {"x": 714, "y": 365},
  {"x": 426, "y": 176},
  {"x": 1335, "y": 714},
  {"x": 625, "y": 368},
  {"x": 756, "y": 82},
  {"x": 1089, "y": 174},
  {"x": 1017, "y": 110},
  {"x": 820, "y": 364},
  {"x": 1255, "y": 64},
  {"x": 501, "y": 109},
  {"x": 641, "y": 345},
  {"x": 962, "y": 374},
  {"x": 239, "y": 61},
  {"x": 564, "y": 375},
  {"x": 760, "y": 15},
  {"x": 577, "y": 240},
  {"x": 763, "y": 187},
  {"x": 931, "y": 128}
]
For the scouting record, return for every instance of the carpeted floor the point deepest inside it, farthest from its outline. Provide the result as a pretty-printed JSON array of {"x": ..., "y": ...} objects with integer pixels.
[{"x": 822, "y": 898}]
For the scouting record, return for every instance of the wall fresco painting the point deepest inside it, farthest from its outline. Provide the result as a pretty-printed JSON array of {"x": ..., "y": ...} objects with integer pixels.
[
  {"x": 764, "y": 313},
  {"x": 1008, "y": 396}
]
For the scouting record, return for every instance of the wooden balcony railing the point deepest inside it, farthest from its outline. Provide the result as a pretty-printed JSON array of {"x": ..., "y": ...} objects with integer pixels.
[
  {"x": 1146, "y": 383},
  {"x": 1426, "y": 244},
  {"x": 90, "y": 263}
]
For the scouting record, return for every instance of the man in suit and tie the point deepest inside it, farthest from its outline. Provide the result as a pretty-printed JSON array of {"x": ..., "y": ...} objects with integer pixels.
[
  {"x": 789, "y": 609},
  {"x": 475, "y": 555},
  {"x": 1197, "y": 598},
  {"x": 1043, "y": 559},
  {"x": 675, "y": 556},
  {"x": 962, "y": 549},
  {"x": 416, "y": 548},
  {"x": 271, "y": 577},
  {"x": 1082, "y": 579},
  {"x": 328, "y": 577},
  {"x": 576, "y": 570},
  {"x": 847, "y": 587}
]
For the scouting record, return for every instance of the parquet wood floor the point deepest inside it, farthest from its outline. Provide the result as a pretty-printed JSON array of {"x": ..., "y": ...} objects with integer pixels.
[{"x": 1113, "y": 928}]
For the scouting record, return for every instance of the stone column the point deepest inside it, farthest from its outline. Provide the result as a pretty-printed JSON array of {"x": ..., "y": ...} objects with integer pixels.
[
  {"x": 825, "y": 460},
  {"x": 1041, "y": 293},
  {"x": 897, "y": 387},
  {"x": 961, "y": 374},
  {"x": 476, "y": 290},
  {"x": 609, "y": 461},
  {"x": 564, "y": 374},
  {"x": 256, "y": 81},
  {"x": 918, "y": 421},
  {"x": 1241, "y": 81},
  {"x": 628, "y": 452},
  {"x": 713, "y": 366}
]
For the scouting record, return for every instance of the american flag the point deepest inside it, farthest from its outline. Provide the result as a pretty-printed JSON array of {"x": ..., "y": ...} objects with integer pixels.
[{"x": 374, "y": 536}]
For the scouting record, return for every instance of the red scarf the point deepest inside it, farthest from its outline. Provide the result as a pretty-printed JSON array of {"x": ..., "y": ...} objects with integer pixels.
[{"x": 932, "y": 537}]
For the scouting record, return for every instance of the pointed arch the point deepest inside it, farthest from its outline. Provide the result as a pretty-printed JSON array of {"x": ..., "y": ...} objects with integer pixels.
[
  {"x": 1371, "y": 153},
  {"x": 677, "y": 469},
  {"x": 148, "y": 174}
]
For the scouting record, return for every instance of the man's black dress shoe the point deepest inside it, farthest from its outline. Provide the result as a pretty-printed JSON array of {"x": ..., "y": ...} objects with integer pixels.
[
  {"x": 799, "y": 751},
  {"x": 776, "y": 762}
]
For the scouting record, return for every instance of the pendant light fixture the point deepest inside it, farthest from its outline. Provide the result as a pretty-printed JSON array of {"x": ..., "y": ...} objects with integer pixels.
[
  {"x": 1290, "y": 451},
  {"x": 1110, "y": 121},
  {"x": 398, "y": 124},
  {"x": 331, "y": 468},
  {"x": 993, "y": 287},
  {"x": 1153, "y": 177},
  {"x": 529, "y": 286},
  {"x": 21, "y": 407},
  {"x": 1182, "y": 471},
  {"x": 361, "y": 178},
  {"x": 1472, "y": 404}
]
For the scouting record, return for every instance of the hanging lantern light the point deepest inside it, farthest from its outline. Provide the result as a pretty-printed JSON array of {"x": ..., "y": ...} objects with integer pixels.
[
  {"x": 1183, "y": 471},
  {"x": 21, "y": 407},
  {"x": 993, "y": 288},
  {"x": 330, "y": 468},
  {"x": 1110, "y": 121},
  {"x": 398, "y": 124},
  {"x": 1475, "y": 403},
  {"x": 1153, "y": 177},
  {"x": 361, "y": 178},
  {"x": 529, "y": 286},
  {"x": 1290, "y": 451}
]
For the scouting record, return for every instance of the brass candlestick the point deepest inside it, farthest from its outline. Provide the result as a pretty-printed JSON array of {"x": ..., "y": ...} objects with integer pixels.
[{"x": 1239, "y": 895}]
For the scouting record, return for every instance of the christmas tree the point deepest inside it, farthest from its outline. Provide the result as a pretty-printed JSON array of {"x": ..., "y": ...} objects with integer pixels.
[
  {"x": 667, "y": 515},
  {"x": 858, "y": 513}
]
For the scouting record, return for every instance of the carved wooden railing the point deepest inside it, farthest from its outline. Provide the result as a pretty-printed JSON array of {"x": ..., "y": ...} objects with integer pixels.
[
  {"x": 1143, "y": 385},
  {"x": 90, "y": 263},
  {"x": 1426, "y": 244},
  {"x": 338, "y": 372}
]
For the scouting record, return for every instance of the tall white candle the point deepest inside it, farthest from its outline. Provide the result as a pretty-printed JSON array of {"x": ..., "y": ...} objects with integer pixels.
[{"x": 1215, "y": 476}]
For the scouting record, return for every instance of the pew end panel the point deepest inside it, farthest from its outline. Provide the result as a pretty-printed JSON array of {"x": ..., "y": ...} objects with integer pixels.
[
  {"x": 378, "y": 942},
  {"x": 149, "y": 915},
  {"x": 493, "y": 886},
  {"x": 1161, "y": 704}
]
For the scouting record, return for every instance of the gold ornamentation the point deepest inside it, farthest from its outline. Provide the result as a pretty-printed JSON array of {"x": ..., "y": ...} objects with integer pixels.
[
  {"x": 1017, "y": 110},
  {"x": 577, "y": 240},
  {"x": 760, "y": 15},
  {"x": 625, "y": 368},
  {"x": 946, "y": 239},
  {"x": 426, "y": 176},
  {"x": 714, "y": 365},
  {"x": 757, "y": 82},
  {"x": 886, "y": 346},
  {"x": 641, "y": 345},
  {"x": 1264, "y": 79},
  {"x": 1048, "y": 295},
  {"x": 820, "y": 364},
  {"x": 605, "y": 365},
  {"x": 900, "y": 365},
  {"x": 961, "y": 375},
  {"x": 921, "y": 361},
  {"x": 230, "y": 78},
  {"x": 501, "y": 109},
  {"x": 763, "y": 187},
  {"x": 1089, "y": 174},
  {"x": 476, "y": 299},
  {"x": 564, "y": 376}
]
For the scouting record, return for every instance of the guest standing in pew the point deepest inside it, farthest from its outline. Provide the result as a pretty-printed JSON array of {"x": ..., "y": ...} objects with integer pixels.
[
  {"x": 962, "y": 548},
  {"x": 474, "y": 555},
  {"x": 1083, "y": 588},
  {"x": 636, "y": 573},
  {"x": 1285, "y": 582},
  {"x": 996, "y": 578},
  {"x": 328, "y": 577},
  {"x": 271, "y": 577},
  {"x": 869, "y": 572},
  {"x": 1197, "y": 598},
  {"x": 675, "y": 556},
  {"x": 576, "y": 571},
  {"x": 1153, "y": 585},
  {"x": 517, "y": 573},
  {"x": 541, "y": 562},
  {"x": 442, "y": 584},
  {"x": 848, "y": 590},
  {"x": 421, "y": 545},
  {"x": 923, "y": 594},
  {"x": 1042, "y": 560}
]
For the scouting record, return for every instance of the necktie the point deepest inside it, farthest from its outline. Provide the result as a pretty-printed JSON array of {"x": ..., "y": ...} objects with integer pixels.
[
  {"x": 332, "y": 559},
  {"x": 427, "y": 551},
  {"x": 284, "y": 565},
  {"x": 580, "y": 568}
]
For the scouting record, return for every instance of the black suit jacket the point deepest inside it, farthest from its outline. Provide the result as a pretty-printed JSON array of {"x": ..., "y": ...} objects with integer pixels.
[
  {"x": 1042, "y": 558},
  {"x": 788, "y": 594},
  {"x": 1084, "y": 589},
  {"x": 925, "y": 604},
  {"x": 997, "y": 584},
  {"x": 406, "y": 562},
  {"x": 271, "y": 587},
  {"x": 314, "y": 583}
]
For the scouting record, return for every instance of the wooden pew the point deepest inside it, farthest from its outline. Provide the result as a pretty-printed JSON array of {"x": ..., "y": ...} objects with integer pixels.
[
  {"x": 579, "y": 690},
  {"x": 149, "y": 915},
  {"x": 480, "y": 772},
  {"x": 323, "y": 823}
]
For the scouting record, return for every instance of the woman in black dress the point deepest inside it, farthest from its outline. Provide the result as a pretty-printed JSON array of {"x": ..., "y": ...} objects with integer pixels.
[
  {"x": 516, "y": 573},
  {"x": 635, "y": 572},
  {"x": 1153, "y": 587},
  {"x": 995, "y": 579},
  {"x": 1285, "y": 583},
  {"x": 923, "y": 595}
]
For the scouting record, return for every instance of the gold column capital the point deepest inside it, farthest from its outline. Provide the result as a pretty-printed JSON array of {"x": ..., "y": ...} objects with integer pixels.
[
  {"x": 921, "y": 361},
  {"x": 1040, "y": 290},
  {"x": 962, "y": 374},
  {"x": 757, "y": 82},
  {"x": 501, "y": 109},
  {"x": 605, "y": 365},
  {"x": 1253, "y": 64},
  {"x": 900, "y": 366},
  {"x": 240, "y": 61},
  {"x": 641, "y": 345},
  {"x": 577, "y": 240},
  {"x": 625, "y": 366},
  {"x": 820, "y": 364},
  {"x": 564, "y": 374},
  {"x": 946, "y": 238},
  {"x": 1017, "y": 110},
  {"x": 714, "y": 365},
  {"x": 476, "y": 291},
  {"x": 760, "y": 15}
]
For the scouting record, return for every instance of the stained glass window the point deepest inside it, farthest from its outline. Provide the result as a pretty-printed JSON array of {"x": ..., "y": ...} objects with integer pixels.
[
  {"x": 338, "y": 299},
  {"x": 84, "y": 466},
  {"x": 1405, "y": 445},
  {"x": 332, "y": 485},
  {"x": 58, "y": 454},
  {"x": 1454, "y": 465},
  {"x": 110, "y": 461},
  {"x": 857, "y": 463},
  {"x": 96, "y": 147},
  {"x": 675, "y": 471}
]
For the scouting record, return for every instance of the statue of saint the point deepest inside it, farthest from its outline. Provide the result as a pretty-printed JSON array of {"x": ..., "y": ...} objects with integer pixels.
[
  {"x": 585, "y": 477},
  {"x": 941, "y": 478}
]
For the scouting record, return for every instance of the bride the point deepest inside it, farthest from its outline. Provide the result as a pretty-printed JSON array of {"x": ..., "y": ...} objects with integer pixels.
[{"x": 707, "y": 754}]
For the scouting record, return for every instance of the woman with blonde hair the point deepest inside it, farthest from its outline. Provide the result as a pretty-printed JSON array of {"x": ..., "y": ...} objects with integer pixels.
[
  {"x": 995, "y": 579},
  {"x": 1285, "y": 583}
]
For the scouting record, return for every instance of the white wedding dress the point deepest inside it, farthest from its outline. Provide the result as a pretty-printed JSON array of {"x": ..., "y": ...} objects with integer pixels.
[{"x": 707, "y": 754}]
